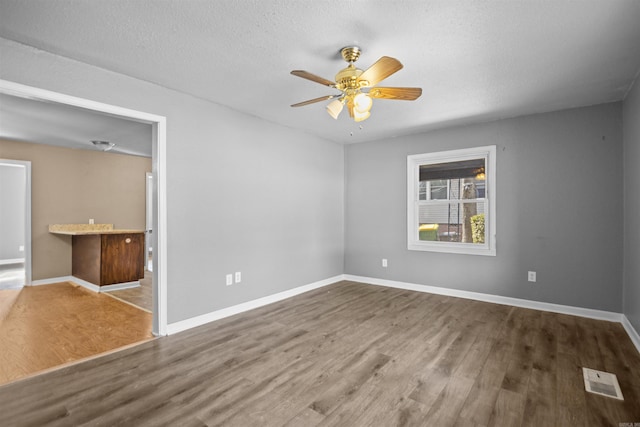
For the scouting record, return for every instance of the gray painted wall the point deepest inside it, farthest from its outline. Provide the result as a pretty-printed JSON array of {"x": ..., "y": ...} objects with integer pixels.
[
  {"x": 243, "y": 194},
  {"x": 247, "y": 195},
  {"x": 13, "y": 179},
  {"x": 631, "y": 132},
  {"x": 559, "y": 209}
]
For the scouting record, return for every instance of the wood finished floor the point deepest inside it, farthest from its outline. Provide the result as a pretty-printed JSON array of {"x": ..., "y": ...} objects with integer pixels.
[
  {"x": 348, "y": 355},
  {"x": 141, "y": 297},
  {"x": 42, "y": 327}
]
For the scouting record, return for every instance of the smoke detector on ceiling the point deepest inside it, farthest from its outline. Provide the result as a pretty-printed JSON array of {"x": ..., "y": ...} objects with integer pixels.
[{"x": 103, "y": 145}]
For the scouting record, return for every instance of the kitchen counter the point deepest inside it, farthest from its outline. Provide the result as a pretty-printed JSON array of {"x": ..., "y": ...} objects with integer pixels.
[
  {"x": 88, "y": 229},
  {"x": 105, "y": 256}
]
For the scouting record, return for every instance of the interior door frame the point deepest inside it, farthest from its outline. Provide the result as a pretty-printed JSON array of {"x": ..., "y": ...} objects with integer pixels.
[
  {"x": 148, "y": 221},
  {"x": 27, "y": 215},
  {"x": 159, "y": 168}
]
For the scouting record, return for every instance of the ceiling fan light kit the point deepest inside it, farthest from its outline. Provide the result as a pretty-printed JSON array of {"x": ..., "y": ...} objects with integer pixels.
[
  {"x": 334, "y": 108},
  {"x": 351, "y": 81},
  {"x": 103, "y": 145},
  {"x": 362, "y": 102}
]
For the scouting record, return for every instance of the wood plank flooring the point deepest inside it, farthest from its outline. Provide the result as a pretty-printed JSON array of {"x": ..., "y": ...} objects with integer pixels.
[
  {"x": 348, "y": 354},
  {"x": 46, "y": 326},
  {"x": 141, "y": 296}
]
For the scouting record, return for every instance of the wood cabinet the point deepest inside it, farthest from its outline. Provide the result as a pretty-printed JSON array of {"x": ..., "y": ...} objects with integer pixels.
[{"x": 107, "y": 259}]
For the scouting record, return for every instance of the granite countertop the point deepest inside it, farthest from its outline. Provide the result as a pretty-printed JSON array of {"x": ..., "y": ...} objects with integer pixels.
[{"x": 87, "y": 229}]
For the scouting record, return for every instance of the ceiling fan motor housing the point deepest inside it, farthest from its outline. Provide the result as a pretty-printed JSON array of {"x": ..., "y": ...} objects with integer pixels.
[{"x": 347, "y": 78}]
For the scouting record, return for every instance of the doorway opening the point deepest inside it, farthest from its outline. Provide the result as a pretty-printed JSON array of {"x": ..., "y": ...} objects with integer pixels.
[
  {"x": 158, "y": 239},
  {"x": 15, "y": 223}
]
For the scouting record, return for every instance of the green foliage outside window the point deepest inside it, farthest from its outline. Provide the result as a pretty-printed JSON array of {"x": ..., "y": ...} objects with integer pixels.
[{"x": 477, "y": 228}]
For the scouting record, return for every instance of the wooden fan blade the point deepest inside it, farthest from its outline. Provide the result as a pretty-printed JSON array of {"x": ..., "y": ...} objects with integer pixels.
[
  {"x": 313, "y": 101},
  {"x": 307, "y": 75},
  {"x": 402, "y": 93},
  {"x": 380, "y": 70}
]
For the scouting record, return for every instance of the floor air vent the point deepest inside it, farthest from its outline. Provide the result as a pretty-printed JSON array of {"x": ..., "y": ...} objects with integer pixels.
[{"x": 602, "y": 383}]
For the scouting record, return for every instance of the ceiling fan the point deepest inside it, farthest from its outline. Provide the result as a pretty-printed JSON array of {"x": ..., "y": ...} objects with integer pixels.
[{"x": 358, "y": 87}]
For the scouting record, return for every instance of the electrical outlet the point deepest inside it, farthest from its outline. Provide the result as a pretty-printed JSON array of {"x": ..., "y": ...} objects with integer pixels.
[
  {"x": 385, "y": 264},
  {"x": 531, "y": 276},
  {"x": 20, "y": 248},
  {"x": 238, "y": 277},
  {"x": 229, "y": 279},
  {"x": 91, "y": 221}
]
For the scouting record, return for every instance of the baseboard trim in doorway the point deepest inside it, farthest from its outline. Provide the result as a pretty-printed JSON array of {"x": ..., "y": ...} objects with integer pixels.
[
  {"x": 192, "y": 322},
  {"x": 11, "y": 261},
  {"x": 120, "y": 286},
  {"x": 88, "y": 285},
  {"x": 83, "y": 283}
]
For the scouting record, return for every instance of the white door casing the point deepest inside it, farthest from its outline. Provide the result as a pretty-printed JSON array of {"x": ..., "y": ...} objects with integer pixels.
[{"x": 159, "y": 132}]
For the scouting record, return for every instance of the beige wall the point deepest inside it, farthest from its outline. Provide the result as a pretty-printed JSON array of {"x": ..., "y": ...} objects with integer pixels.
[{"x": 71, "y": 186}]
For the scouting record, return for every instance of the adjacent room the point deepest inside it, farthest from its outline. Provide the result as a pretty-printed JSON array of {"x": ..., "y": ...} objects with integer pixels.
[{"x": 333, "y": 213}]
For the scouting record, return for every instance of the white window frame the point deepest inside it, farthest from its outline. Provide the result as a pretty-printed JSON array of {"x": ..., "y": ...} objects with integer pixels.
[{"x": 488, "y": 153}]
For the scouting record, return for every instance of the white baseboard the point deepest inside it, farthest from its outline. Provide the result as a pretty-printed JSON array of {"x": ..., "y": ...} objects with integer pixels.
[
  {"x": 51, "y": 280},
  {"x": 120, "y": 286},
  {"x": 496, "y": 299},
  {"x": 83, "y": 283},
  {"x": 88, "y": 285},
  {"x": 249, "y": 305},
  {"x": 11, "y": 261},
  {"x": 633, "y": 334}
]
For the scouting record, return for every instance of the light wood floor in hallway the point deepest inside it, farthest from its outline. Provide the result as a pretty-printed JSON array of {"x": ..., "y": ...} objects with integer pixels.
[
  {"x": 42, "y": 327},
  {"x": 349, "y": 354},
  {"x": 141, "y": 296}
]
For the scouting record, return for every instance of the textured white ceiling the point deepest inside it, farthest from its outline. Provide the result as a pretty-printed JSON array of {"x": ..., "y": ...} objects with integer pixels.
[
  {"x": 475, "y": 60},
  {"x": 28, "y": 120}
]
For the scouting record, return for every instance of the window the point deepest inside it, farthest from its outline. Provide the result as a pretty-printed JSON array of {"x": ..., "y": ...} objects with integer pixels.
[{"x": 451, "y": 201}]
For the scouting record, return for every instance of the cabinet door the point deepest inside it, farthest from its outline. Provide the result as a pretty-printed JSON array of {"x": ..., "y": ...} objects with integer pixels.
[{"x": 122, "y": 258}]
